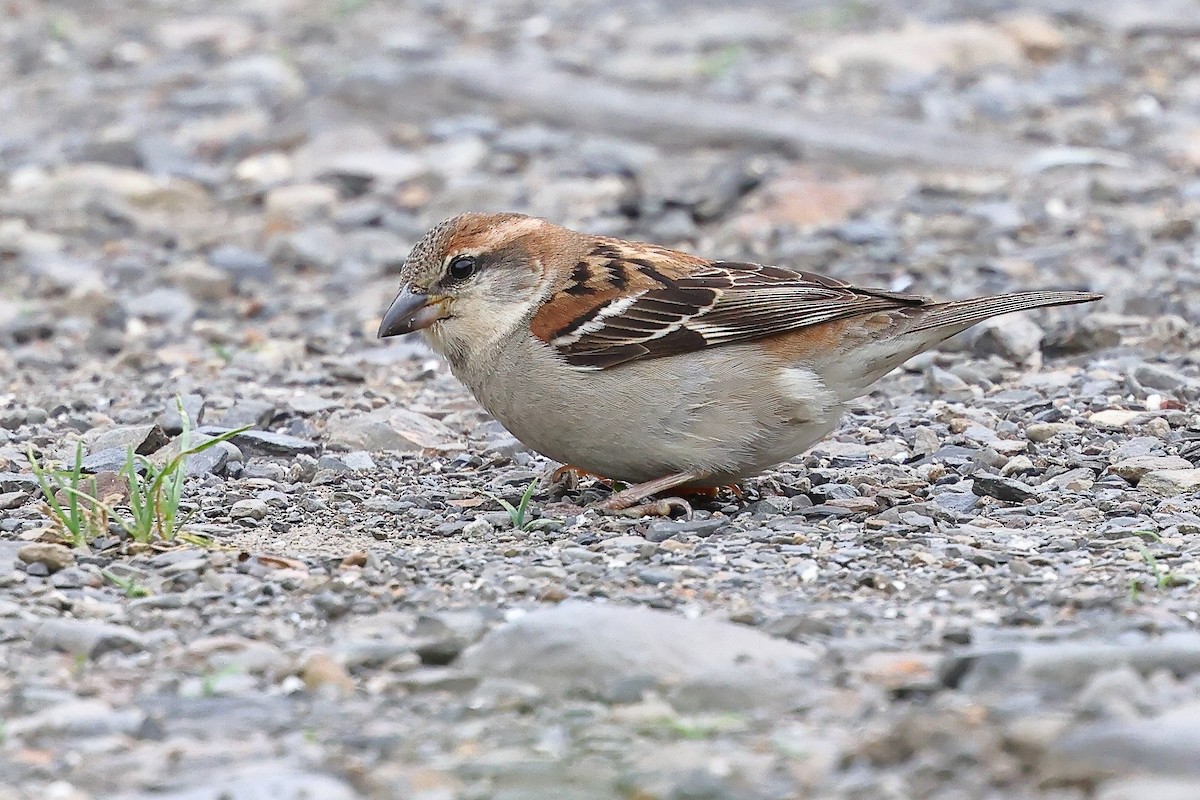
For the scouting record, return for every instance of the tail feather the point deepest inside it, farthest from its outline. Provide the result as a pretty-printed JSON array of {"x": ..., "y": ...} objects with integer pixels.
[
  {"x": 926, "y": 327},
  {"x": 959, "y": 315}
]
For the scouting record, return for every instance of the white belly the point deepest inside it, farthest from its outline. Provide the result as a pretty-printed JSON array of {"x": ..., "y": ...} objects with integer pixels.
[{"x": 725, "y": 413}]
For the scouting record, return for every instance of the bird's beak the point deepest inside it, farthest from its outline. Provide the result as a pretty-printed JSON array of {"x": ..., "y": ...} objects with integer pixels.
[{"x": 413, "y": 310}]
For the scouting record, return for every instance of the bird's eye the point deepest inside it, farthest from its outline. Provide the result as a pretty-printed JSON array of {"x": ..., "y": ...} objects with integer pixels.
[{"x": 461, "y": 267}]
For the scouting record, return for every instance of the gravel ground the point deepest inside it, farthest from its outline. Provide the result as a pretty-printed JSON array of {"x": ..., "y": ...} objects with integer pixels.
[{"x": 983, "y": 585}]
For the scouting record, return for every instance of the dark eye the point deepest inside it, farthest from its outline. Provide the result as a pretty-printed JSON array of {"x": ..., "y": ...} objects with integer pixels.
[{"x": 461, "y": 268}]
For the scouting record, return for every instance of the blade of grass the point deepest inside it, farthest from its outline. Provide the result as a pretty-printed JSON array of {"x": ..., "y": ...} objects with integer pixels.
[
  {"x": 140, "y": 529},
  {"x": 523, "y": 507},
  {"x": 50, "y": 493},
  {"x": 72, "y": 500},
  {"x": 516, "y": 514},
  {"x": 128, "y": 585},
  {"x": 100, "y": 504}
]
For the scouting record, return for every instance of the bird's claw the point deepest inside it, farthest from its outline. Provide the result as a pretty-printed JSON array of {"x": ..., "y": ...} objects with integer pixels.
[{"x": 663, "y": 507}]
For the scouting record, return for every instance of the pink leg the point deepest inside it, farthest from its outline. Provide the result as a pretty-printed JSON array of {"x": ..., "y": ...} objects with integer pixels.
[{"x": 626, "y": 502}]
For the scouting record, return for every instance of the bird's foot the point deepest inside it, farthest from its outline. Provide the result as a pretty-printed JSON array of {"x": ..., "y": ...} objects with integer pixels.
[
  {"x": 628, "y": 502},
  {"x": 662, "y": 507}
]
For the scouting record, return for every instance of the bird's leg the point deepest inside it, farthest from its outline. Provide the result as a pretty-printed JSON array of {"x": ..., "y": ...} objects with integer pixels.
[
  {"x": 662, "y": 507},
  {"x": 626, "y": 502},
  {"x": 567, "y": 477}
]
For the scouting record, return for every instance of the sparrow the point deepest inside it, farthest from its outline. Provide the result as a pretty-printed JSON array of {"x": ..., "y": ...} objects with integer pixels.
[{"x": 652, "y": 366}]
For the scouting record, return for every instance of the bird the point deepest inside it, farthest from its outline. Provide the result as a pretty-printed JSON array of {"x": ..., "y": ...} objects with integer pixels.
[{"x": 654, "y": 367}]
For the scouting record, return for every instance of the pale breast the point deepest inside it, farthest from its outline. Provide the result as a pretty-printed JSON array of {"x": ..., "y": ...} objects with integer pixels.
[{"x": 726, "y": 413}]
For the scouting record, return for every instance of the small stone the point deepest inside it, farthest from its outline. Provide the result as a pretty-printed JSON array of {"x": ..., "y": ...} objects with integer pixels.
[
  {"x": 617, "y": 653},
  {"x": 356, "y": 461},
  {"x": 300, "y": 202},
  {"x": 439, "y": 679},
  {"x": 919, "y": 50},
  {"x": 53, "y": 556},
  {"x": 925, "y": 441},
  {"x": 226, "y": 35},
  {"x": 945, "y": 383},
  {"x": 505, "y": 444},
  {"x": 201, "y": 280},
  {"x": 384, "y": 168},
  {"x": 900, "y": 671},
  {"x": 1159, "y": 428},
  {"x": 213, "y": 460},
  {"x": 307, "y": 404},
  {"x": 18, "y": 482},
  {"x": 388, "y": 429},
  {"x": 333, "y": 464},
  {"x": 773, "y": 505},
  {"x": 1132, "y": 469},
  {"x": 1127, "y": 186},
  {"x": 1045, "y": 431},
  {"x": 359, "y": 461},
  {"x": 311, "y": 247},
  {"x": 144, "y": 439},
  {"x": 11, "y": 500},
  {"x": 1006, "y": 489},
  {"x": 1158, "y": 376},
  {"x": 254, "y": 413},
  {"x": 241, "y": 264},
  {"x": 662, "y": 530},
  {"x": 1091, "y": 333},
  {"x": 441, "y": 637},
  {"x": 1171, "y": 482},
  {"x": 1148, "y": 787},
  {"x": 1115, "y": 418},
  {"x": 832, "y": 491},
  {"x": 302, "y": 469},
  {"x": 962, "y": 503},
  {"x": 1017, "y": 465},
  {"x": 657, "y": 577},
  {"x": 1167, "y": 743},
  {"x": 269, "y": 443},
  {"x": 75, "y": 718},
  {"x": 164, "y": 305},
  {"x": 110, "y": 460},
  {"x": 1015, "y": 338},
  {"x": 264, "y": 169},
  {"x": 86, "y": 637},
  {"x": 248, "y": 509},
  {"x": 478, "y": 527},
  {"x": 320, "y": 670},
  {"x": 76, "y": 578},
  {"x": 1035, "y": 33},
  {"x": 232, "y": 653},
  {"x": 193, "y": 407}
]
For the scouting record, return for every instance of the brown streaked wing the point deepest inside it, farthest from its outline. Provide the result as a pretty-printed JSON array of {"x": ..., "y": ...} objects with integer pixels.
[
  {"x": 710, "y": 305},
  {"x": 609, "y": 271}
]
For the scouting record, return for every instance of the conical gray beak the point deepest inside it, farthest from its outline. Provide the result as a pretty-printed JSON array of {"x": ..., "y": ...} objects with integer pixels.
[{"x": 412, "y": 310}]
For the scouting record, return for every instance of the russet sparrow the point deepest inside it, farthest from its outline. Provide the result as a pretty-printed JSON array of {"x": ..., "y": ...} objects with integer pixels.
[{"x": 653, "y": 366}]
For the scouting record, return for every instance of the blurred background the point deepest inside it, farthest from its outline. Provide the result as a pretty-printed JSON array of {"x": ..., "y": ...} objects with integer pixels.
[
  {"x": 213, "y": 200},
  {"x": 248, "y": 176}
]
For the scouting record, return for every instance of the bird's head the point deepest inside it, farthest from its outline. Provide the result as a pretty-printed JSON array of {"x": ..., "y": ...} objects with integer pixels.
[{"x": 471, "y": 280}]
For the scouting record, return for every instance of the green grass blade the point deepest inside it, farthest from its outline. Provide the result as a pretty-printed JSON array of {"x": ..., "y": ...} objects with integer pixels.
[
  {"x": 523, "y": 507},
  {"x": 98, "y": 503},
  {"x": 72, "y": 501},
  {"x": 50, "y": 493},
  {"x": 215, "y": 440},
  {"x": 139, "y": 505}
]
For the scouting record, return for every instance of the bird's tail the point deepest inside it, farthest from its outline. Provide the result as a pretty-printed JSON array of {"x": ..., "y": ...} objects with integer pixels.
[
  {"x": 959, "y": 315},
  {"x": 928, "y": 325}
]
